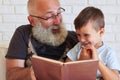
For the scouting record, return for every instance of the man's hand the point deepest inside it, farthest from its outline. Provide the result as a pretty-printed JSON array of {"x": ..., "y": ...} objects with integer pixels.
[{"x": 32, "y": 74}]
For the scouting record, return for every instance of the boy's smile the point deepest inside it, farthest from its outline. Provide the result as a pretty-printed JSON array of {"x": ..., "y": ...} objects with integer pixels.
[{"x": 87, "y": 33}]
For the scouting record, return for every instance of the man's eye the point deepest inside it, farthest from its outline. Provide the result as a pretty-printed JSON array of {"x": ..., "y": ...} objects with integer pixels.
[
  {"x": 47, "y": 16},
  {"x": 59, "y": 13}
]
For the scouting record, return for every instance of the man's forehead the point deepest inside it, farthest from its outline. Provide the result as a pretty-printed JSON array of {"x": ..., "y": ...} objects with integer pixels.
[
  {"x": 47, "y": 7},
  {"x": 47, "y": 3}
]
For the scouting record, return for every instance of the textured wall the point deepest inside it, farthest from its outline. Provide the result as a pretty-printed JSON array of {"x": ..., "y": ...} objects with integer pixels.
[{"x": 13, "y": 13}]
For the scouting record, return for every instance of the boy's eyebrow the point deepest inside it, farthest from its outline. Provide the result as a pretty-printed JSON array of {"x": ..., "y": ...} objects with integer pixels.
[
  {"x": 78, "y": 34},
  {"x": 86, "y": 34}
]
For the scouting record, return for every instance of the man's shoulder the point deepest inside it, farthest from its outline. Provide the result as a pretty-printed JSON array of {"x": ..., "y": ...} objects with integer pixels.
[
  {"x": 24, "y": 27},
  {"x": 71, "y": 39},
  {"x": 72, "y": 35}
]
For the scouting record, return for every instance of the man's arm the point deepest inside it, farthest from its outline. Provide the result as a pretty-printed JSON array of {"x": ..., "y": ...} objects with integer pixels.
[{"x": 15, "y": 70}]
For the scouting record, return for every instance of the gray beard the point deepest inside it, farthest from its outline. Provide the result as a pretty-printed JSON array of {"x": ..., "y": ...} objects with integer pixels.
[{"x": 45, "y": 35}]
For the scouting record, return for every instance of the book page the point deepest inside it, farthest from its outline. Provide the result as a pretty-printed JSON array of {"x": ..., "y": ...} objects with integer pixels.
[
  {"x": 81, "y": 70},
  {"x": 47, "y": 59},
  {"x": 46, "y": 69}
]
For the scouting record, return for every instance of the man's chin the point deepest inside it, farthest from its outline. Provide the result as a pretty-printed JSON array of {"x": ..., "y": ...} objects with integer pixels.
[{"x": 54, "y": 35}]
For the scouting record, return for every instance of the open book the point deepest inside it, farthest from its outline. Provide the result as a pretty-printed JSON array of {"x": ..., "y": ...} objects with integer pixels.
[{"x": 49, "y": 69}]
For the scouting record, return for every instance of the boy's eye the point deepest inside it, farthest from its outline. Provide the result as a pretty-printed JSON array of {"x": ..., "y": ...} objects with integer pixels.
[
  {"x": 78, "y": 34},
  {"x": 86, "y": 35}
]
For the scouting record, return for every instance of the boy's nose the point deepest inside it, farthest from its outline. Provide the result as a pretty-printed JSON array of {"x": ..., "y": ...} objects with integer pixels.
[{"x": 82, "y": 40}]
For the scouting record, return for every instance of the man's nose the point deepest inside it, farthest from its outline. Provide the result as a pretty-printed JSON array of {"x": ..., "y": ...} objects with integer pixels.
[{"x": 57, "y": 20}]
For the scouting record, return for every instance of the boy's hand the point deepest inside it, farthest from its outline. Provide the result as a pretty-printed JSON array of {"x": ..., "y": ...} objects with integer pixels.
[
  {"x": 94, "y": 52},
  {"x": 88, "y": 52},
  {"x": 85, "y": 54}
]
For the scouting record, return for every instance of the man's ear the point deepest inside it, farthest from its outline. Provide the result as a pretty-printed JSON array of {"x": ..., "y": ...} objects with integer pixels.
[
  {"x": 31, "y": 20},
  {"x": 102, "y": 31}
]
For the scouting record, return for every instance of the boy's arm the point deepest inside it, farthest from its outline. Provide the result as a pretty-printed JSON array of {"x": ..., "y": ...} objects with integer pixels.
[
  {"x": 67, "y": 60},
  {"x": 15, "y": 70},
  {"x": 107, "y": 73}
]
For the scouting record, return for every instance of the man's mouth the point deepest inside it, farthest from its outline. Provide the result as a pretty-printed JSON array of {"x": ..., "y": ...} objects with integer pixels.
[{"x": 55, "y": 29}]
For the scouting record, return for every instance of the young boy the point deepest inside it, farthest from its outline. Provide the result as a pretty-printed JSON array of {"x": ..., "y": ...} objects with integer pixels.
[{"x": 89, "y": 26}]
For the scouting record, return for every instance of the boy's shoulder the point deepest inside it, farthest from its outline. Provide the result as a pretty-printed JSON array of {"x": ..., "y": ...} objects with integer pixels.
[
  {"x": 107, "y": 47},
  {"x": 106, "y": 50}
]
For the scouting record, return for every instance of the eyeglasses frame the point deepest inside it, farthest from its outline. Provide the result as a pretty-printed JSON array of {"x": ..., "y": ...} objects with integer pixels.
[{"x": 63, "y": 10}]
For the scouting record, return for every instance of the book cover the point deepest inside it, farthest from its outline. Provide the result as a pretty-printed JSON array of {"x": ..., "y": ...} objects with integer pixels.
[{"x": 49, "y": 69}]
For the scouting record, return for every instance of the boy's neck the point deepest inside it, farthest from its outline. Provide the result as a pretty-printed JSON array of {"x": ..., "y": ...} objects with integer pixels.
[{"x": 99, "y": 44}]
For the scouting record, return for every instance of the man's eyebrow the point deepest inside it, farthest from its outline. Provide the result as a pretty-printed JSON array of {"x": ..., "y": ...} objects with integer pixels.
[{"x": 50, "y": 12}]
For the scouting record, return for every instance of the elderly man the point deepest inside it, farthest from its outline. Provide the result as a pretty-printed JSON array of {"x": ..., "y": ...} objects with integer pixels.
[{"x": 47, "y": 35}]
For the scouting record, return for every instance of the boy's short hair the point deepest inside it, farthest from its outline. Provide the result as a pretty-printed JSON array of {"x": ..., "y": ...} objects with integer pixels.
[{"x": 90, "y": 14}]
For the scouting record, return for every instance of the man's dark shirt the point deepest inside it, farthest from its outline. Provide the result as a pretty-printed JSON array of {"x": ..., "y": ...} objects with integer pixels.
[{"x": 18, "y": 48}]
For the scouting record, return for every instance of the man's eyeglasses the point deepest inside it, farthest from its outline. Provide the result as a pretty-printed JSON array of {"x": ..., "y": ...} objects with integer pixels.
[{"x": 59, "y": 11}]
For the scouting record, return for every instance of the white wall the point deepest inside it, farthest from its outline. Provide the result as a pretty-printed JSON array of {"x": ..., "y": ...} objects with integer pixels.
[{"x": 13, "y": 13}]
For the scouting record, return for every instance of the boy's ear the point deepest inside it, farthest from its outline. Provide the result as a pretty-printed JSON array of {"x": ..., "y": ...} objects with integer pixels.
[{"x": 102, "y": 31}]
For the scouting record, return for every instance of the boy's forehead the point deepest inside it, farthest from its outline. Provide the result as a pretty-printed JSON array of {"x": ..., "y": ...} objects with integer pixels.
[{"x": 85, "y": 28}]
